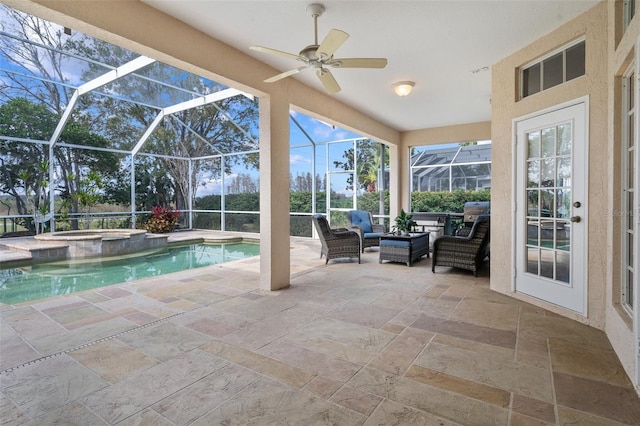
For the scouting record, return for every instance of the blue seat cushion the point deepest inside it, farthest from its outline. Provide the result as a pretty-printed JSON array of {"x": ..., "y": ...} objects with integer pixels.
[
  {"x": 361, "y": 218},
  {"x": 395, "y": 243},
  {"x": 372, "y": 234}
]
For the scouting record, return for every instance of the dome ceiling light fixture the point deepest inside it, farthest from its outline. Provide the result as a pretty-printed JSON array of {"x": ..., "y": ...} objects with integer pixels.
[{"x": 403, "y": 88}]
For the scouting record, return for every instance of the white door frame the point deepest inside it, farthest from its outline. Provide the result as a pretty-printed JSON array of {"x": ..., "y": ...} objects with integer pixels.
[
  {"x": 515, "y": 197},
  {"x": 636, "y": 210}
]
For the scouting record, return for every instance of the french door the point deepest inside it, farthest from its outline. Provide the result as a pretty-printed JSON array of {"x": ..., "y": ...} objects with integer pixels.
[{"x": 551, "y": 206}]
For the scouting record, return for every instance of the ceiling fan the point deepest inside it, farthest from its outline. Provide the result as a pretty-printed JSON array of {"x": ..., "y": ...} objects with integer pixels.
[{"x": 320, "y": 56}]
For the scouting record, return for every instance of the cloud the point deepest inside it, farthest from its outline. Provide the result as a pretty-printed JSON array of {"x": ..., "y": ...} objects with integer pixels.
[
  {"x": 212, "y": 186},
  {"x": 296, "y": 159}
]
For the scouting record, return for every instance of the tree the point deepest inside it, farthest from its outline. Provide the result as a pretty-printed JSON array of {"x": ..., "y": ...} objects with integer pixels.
[
  {"x": 21, "y": 162},
  {"x": 116, "y": 115},
  {"x": 31, "y": 59},
  {"x": 368, "y": 165},
  {"x": 198, "y": 132}
]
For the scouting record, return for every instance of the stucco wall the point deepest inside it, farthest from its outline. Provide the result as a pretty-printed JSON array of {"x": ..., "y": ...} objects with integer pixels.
[
  {"x": 619, "y": 325},
  {"x": 598, "y": 85},
  {"x": 506, "y": 107}
]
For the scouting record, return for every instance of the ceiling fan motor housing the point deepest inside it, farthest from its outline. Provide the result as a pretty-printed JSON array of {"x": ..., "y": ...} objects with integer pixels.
[
  {"x": 318, "y": 55},
  {"x": 315, "y": 9}
]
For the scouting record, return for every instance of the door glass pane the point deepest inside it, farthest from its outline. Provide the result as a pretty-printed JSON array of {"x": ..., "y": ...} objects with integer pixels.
[
  {"x": 532, "y": 232},
  {"x": 630, "y": 170},
  {"x": 629, "y": 212},
  {"x": 630, "y": 289},
  {"x": 532, "y": 260},
  {"x": 563, "y": 232},
  {"x": 563, "y": 266},
  {"x": 564, "y": 139},
  {"x": 533, "y": 173},
  {"x": 547, "y": 263},
  {"x": 533, "y": 141},
  {"x": 532, "y": 203},
  {"x": 564, "y": 171},
  {"x": 549, "y": 204},
  {"x": 548, "y": 172},
  {"x": 563, "y": 209},
  {"x": 548, "y": 142}
]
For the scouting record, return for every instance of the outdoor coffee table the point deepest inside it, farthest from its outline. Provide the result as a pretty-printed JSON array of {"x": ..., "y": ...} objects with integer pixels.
[{"x": 404, "y": 248}]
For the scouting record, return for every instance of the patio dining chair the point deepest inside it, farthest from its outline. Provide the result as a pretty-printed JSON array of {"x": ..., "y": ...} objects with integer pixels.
[
  {"x": 361, "y": 221},
  {"x": 336, "y": 243},
  {"x": 465, "y": 252}
]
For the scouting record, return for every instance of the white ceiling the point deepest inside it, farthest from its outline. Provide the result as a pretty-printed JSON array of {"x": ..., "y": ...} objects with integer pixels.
[{"x": 447, "y": 47}]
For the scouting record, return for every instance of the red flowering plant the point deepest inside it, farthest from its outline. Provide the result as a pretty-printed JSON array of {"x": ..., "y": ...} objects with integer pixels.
[{"x": 162, "y": 220}]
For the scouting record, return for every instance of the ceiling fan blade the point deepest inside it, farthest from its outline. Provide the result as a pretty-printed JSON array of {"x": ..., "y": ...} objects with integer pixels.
[
  {"x": 359, "y": 63},
  {"x": 328, "y": 81},
  {"x": 331, "y": 42},
  {"x": 284, "y": 74},
  {"x": 273, "y": 52}
]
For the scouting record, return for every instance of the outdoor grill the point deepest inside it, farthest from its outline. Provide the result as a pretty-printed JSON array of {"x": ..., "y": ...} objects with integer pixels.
[{"x": 472, "y": 209}]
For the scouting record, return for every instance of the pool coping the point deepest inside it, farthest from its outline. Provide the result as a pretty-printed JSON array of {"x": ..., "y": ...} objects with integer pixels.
[{"x": 19, "y": 252}]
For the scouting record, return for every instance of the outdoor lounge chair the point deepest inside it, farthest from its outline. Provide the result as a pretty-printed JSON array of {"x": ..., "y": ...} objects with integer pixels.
[
  {"x": 336, "y": 242},
  {"x": 463, "y": 252},
  {"x": 361, "y": 221}
]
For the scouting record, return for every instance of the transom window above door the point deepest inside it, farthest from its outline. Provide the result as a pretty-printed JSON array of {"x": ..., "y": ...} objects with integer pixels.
[{"x": 559, "y": 67}]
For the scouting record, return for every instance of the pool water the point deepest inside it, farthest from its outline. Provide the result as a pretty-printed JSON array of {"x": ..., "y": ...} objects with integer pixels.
[{"x": 65, "y": 277}]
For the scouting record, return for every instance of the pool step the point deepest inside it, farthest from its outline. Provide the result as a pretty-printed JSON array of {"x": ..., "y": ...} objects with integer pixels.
[{"x": 20, "y": 249}]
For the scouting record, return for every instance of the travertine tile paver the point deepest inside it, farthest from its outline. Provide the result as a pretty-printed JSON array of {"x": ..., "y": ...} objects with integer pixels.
[
  {"x": 164, "y": 341},
  {"x": 428, "y": 398},
  {"x": 512, "y": 376},
  {"x": 50, "y": 384},
  {"x": 112, "y": 360},
  {"x": 206, "y": 394},
  {"x": 127, "y": 397},
  {"x": 346, "y": 344},
  {"x": 391, "y": 413},
  {"x": 273, "y": 403}
]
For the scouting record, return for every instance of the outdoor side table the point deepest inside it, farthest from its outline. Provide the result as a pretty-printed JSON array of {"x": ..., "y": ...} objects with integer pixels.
[{"x": 404, "y": 248}]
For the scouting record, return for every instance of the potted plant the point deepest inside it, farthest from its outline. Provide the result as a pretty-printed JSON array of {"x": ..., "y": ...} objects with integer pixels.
[{"x": 404, "y": 222}]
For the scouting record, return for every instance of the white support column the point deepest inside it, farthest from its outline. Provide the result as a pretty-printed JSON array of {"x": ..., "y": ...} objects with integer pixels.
[
  {"x": 396, "y": 191},
  {"x": 274, "y": 194}
]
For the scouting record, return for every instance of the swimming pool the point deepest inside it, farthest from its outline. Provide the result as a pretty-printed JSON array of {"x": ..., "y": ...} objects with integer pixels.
[{"x": 65, "y": 277}]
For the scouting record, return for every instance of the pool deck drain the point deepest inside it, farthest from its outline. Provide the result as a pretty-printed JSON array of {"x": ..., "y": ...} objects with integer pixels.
[{"x": 95, "y": 342}]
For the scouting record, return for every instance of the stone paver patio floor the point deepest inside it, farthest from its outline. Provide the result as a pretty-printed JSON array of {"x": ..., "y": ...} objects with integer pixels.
[{"x": 346, "y": 344}]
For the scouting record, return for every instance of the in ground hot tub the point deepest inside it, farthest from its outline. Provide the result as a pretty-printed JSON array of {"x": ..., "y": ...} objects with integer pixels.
[{"x": 105, "y": 242}]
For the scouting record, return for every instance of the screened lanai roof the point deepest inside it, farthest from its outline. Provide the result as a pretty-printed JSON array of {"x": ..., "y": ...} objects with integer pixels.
[
  {"x": 451, "y": 161},
  {"x": 76, "y": 75},
  {"x": 452, "y": 155}
]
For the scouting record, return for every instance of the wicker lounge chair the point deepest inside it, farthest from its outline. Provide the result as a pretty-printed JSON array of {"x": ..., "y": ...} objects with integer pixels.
[
  {"x": 464, "y": 252},
  {"x": 361, "y": 221},
  {"x": 336, "y": 242}
]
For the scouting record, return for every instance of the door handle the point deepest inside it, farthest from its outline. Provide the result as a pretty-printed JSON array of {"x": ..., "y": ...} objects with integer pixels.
[{"x": 576, "y": 219}]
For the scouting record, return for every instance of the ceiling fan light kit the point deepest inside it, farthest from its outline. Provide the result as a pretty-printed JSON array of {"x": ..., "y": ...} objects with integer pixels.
[
  {"x": 403, "y": 88},
  {"x": 319, "y": 56}
]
